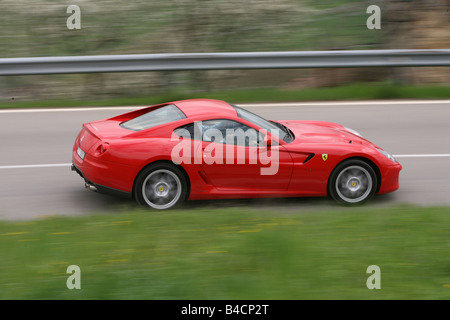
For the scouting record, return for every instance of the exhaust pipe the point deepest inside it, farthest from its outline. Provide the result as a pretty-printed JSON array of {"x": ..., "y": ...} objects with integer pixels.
[{"x": 90, "y": 187}]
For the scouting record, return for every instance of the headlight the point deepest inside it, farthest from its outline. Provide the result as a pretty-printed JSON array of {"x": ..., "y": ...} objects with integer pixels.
[
  {"x": 387, "y": 155},
  {"x": 356, "y": 133}
]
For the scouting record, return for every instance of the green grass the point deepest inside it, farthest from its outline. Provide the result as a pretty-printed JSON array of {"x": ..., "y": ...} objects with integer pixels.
[
  {"x": 347, "y": 92},
  {"x": 232, "y": 253}
]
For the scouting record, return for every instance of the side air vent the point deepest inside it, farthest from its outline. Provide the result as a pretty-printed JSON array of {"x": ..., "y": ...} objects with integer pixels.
[{"x": 309, "y": 158}]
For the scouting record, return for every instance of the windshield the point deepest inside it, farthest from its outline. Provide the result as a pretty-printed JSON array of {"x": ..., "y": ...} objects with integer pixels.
[
  {"x": 153, "y": 118},
  {"x": 275, "y": 128}
]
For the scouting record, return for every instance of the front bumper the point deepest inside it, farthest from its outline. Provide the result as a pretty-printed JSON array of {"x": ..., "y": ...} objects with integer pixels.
[{"x": 390, "y": 178}]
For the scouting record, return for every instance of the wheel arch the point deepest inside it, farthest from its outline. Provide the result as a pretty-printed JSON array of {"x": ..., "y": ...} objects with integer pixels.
[
  {"x": 162, "y": 161},
  {"x": 372, "y": 164}
]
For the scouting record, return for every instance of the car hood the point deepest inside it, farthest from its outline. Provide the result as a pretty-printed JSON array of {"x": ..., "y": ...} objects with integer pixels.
[{"x": 322, "y": 132}]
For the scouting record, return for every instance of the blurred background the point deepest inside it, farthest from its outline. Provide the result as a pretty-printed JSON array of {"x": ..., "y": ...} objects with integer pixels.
[
  {"x": 34, "y": 28},
  {"x": 259, "y": 250}
]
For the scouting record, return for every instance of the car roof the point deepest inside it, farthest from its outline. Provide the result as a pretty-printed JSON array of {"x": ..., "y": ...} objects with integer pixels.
[{"x": 205, "y": 107}]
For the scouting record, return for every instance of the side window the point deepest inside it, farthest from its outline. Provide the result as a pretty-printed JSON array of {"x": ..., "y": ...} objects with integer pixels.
[
  {"x": 221, "y": 131},
  {"x": 187, "y": 131},
  {"x": 230, "y": 132}
]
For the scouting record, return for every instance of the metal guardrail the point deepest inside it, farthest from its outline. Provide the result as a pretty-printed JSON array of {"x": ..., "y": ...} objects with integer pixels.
[{"x": 218, "y": 61}]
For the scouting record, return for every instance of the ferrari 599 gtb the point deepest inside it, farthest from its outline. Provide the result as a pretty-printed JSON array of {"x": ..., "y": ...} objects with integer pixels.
[{"x": 197, "y": 149}]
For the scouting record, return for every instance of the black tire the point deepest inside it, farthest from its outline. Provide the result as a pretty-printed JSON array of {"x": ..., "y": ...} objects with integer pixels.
[
  {"x": 161, "y": 186},
  {"x": 352, "y": 182}
]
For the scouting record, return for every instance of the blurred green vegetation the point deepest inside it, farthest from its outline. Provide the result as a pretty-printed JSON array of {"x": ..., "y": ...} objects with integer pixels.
[
  {"x": 232, "y": 253},
  {"x": 38, "y": 28}
]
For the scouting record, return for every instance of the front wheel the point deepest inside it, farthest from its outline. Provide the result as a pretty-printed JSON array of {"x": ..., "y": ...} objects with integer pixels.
[
  {"x": 160, "y": 186},
  {"x": 352, "y": 182}
]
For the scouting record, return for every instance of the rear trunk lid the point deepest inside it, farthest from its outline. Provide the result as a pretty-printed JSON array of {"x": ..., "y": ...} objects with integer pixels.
[
  {"x": 86, "y": 138},
  {"x": 104, "y": 129}
]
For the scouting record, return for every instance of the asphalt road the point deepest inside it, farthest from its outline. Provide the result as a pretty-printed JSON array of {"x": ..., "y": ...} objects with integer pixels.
[{"x": 417, "y": 132}]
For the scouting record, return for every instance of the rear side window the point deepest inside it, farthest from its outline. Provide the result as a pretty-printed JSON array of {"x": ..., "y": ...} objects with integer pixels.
[{"x": 153, "y": 118}]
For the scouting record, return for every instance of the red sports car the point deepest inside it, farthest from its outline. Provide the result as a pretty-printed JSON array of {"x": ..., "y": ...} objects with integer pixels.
[{"x": 208, "y": 149}]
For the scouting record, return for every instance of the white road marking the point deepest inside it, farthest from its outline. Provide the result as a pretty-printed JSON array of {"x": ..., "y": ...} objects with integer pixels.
[
  {"x": 344, "y": 103},
  {"x": 68, "y": 109},
  {"x": 26, "y": 166},
  {"x": 52, "y": 165},
  {"x": 269, "y": 104},
  {"x": 421, "y": 155}
]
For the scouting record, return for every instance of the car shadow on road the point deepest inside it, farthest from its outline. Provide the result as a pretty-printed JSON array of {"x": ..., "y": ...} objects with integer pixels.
[
  {"x": 99, "y": 202},
  {"x": 288, "y": 204}
]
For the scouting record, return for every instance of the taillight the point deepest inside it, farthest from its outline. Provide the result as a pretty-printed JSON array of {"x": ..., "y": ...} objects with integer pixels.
[{"x": 101, "y": 149}]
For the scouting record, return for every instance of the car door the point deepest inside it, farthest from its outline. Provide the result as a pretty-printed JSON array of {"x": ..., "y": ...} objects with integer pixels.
[{"x": 235, "y": 157}]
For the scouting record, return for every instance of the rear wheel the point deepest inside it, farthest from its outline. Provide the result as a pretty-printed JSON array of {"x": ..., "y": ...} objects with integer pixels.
[
  {"x": 352, "y": 182},
  {"x": 161, "y": 186}
]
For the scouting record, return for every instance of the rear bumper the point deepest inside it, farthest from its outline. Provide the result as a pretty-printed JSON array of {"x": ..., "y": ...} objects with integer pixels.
[
  {"x": 100, "y": 188},
  {"x": 390, "y": 178}
]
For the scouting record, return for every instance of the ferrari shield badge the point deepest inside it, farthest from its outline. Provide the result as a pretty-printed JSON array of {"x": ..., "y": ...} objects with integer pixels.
[{"x": 324, "y": 157}]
